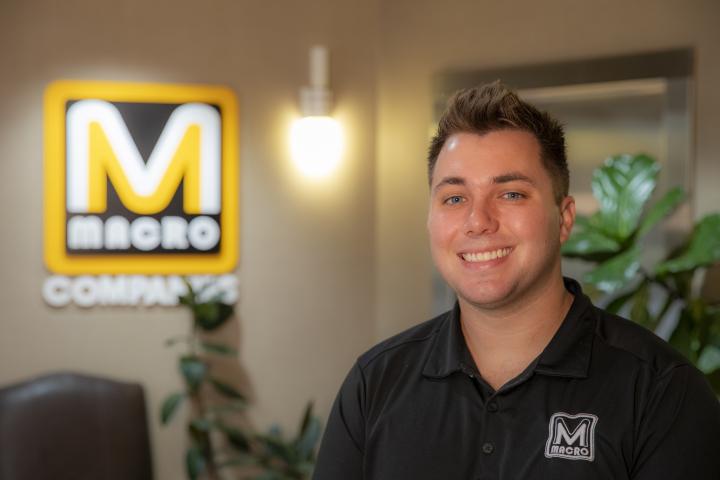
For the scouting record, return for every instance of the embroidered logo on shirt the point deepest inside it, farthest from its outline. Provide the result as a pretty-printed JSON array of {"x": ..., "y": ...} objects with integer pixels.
[{"x": 572, "y": 436}]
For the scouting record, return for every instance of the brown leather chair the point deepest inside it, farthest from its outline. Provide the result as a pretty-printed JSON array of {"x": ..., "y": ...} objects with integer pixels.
[{"x": 66, "y": 426}]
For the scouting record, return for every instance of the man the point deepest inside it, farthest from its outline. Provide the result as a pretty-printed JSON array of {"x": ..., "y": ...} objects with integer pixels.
[{"x": 524, "y": 378}]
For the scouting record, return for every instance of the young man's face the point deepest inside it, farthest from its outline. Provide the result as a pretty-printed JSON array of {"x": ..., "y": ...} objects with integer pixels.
[{"x": 495, "y": 228}]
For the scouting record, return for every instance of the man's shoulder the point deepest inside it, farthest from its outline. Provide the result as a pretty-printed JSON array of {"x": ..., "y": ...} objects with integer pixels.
[
  {"x": 411, "y": 342},
  {"x": 637, "y": 343}
]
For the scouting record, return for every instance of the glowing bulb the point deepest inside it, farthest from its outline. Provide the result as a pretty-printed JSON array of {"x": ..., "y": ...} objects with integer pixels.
[{"x": 316, "y": 144}]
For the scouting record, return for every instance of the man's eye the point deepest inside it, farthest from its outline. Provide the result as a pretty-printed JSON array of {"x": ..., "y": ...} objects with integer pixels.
[
  {"x": 513, "y": 196},
  {"x": 453, "y": 200}
]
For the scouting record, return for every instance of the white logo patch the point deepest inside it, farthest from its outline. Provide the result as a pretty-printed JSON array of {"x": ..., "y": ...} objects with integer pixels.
[{"x": 572, "y": 436}]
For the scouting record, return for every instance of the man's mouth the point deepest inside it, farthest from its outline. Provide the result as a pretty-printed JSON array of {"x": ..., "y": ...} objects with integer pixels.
[{"x": 486, "y": 256}]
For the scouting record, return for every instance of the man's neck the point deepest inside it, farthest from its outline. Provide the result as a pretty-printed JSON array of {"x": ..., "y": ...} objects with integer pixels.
[{"x": 504, "y": 341}]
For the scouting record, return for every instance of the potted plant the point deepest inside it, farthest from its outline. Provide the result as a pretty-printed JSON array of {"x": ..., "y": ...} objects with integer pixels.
[
  {"x": 612, "y": 241},
  {"x": 219, "y": 436}
]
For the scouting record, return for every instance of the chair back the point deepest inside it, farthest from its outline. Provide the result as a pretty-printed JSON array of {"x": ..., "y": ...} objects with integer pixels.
[{"x": 66, "y": 426}]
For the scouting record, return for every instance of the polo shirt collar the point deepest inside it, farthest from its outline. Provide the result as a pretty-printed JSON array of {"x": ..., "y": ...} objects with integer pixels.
[
  {"x": 567, "y": 354},
  {"x": 449, "y": 352}
]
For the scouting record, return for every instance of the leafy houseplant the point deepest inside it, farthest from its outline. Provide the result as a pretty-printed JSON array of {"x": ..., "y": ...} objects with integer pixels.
[
  {"x": 216, "y": 441},
  {"x": 612, "y": 240}
]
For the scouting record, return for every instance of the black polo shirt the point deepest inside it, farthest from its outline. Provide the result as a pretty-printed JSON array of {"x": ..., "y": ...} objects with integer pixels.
[{"x": 606, "y": 399}]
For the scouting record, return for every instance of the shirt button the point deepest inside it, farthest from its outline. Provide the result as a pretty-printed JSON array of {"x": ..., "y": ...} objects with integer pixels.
[
  {"x": 492, "y": 407},
  {"x": 488, "y": 448}
]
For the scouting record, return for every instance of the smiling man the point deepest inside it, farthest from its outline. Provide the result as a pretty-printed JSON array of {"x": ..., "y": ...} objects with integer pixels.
[{"x": 524, "y": 378}]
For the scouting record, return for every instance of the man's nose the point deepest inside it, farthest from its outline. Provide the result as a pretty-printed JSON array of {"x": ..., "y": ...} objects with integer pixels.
[{"x": 481, "y": 218}]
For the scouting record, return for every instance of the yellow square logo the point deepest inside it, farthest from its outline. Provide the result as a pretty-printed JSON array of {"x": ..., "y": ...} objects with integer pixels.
[{"x": 140, "y": 178}]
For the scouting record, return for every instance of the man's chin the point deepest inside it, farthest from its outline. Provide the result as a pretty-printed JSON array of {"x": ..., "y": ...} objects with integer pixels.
[{"x": 488, "y": 299}]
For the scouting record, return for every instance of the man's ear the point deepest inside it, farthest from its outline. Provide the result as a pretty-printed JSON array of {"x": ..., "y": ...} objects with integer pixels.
[{"x": 567, "y": 217}]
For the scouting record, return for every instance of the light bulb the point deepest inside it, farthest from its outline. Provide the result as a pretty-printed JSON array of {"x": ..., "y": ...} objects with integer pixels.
[{"x": 316, "y": 145}]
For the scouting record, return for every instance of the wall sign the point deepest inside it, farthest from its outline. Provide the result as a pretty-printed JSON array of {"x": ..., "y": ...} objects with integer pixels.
[{"x": 140, "y": 179}]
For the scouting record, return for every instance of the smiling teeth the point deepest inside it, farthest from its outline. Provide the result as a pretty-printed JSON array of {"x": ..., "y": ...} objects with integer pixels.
[{"x": 485, "y": 256}]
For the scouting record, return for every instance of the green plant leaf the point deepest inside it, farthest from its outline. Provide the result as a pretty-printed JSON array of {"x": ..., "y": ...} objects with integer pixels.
[
  {"x": 188, "y": 299},
  {"x": 305, "y": 421},
  {"x": 212, "y": 314},
  {"x": 193, "y": 370},
  {"x": 199, "y": 434},
  {"x": 617, "y": 272},
  {"x": 275, "y": 430},
  {"x": 619, "y": 302},
  {"x": 714, "y": 380},
  {"x": 683, "y": 336},
  {"x": 305, "y": 445},
  {"x": 218, "y": 348},
  {"x": 237, "y": 405},
  {"x": 226, "y": 390},
  {"x": 664, "y": 207},
  {"x": 709, "y": 360},
  {"x": 582, "y": 221},
  {"x": 276, "y": 447},
  {"x": 713, "y": 314},
  {"x": 622, "y": 186},
  {"x": 174, "y": 340},
  {"x": 308, "y": 435},
  {"x": 201, "y": 424},
  {"x": 703, "y": 249},
  {"x": 305, "y": 469},
  {"x": 194, "y": 463},
  {"x": 586, "y": 241},
  {"x": 169, "y": 406},
  {"x": 236, "y": 437},
  {"x": 238, "y": 460},
  {"x": 270, "y": 475},
  {"x": 639, "y": 312}
]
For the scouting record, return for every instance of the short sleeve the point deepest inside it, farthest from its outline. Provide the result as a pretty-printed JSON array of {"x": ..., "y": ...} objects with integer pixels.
[
  {"x": 341, "y": 450},
  {"x": 679, "y": 434}
]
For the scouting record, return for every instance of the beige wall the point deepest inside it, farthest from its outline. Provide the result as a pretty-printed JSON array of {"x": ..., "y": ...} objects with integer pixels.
[
  {"x": 326, "y": 268},
  {"x": 306, "y": 248}
]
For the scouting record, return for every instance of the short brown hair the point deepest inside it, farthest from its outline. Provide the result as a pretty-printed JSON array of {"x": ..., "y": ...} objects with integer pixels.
[{"x": 494, "y": 107}]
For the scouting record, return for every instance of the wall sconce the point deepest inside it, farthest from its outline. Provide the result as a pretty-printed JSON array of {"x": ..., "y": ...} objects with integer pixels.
[{"x": 316, "y": 139}]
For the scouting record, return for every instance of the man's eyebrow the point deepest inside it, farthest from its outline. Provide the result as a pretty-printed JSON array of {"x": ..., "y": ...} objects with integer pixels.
[
  {"x": 450, "y": 181},
  {"x": 504, "y": 178},
  {"x": 512, "y": 177}
]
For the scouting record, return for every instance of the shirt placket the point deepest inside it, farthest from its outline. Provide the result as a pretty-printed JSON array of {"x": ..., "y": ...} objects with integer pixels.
[{"x": 490, "y": 444}]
